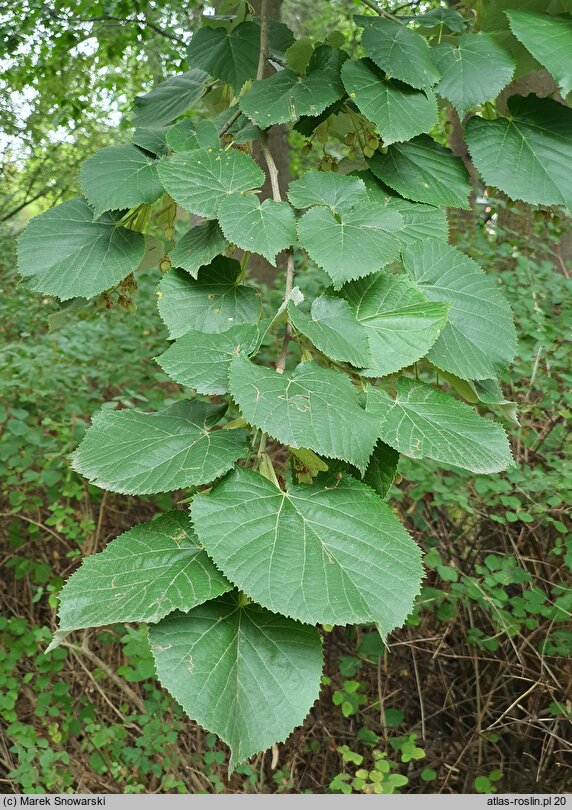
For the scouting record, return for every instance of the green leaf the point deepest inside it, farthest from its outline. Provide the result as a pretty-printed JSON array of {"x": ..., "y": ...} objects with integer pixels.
[
  {"x": 333, "y": 330},
  {"x": 549, "y": 40},
  {"x": 402, "y": 324},
  {"x": 424, "y": 171},
  {"x": 479, "y": 338},
  {"x": 240, "y": 671},
  {"x": 201, "y": 360},
  {"x": 299, "y": 54},
  {"x": 200, "y": 180},
  {"x": 442, "y": 17},
  {"x": 266, "y": 227},
  {"x": 316, "y": 407},
  {"x": 119, "y": 177},
  {"x": 421, "y": 221},
  {"x": 141, "y": 576},
  {"x": 64, "y": 252},
  {"x": 280, "y": 37},
  {"x": 330, "y": 555},
  {"x": 474, "y": 71},
  {"x": 529, "y": 154},
  {"x": 198, "y": 247},
  {"x": 170, "y": 99},
  {"x": 286, "y": 96},
  {"x": 184, "y": 136},
  {"x": 424, "y": 422},
  {"x": 382, "y": 469},
  {"x": 398, "y": 111},
  {"x": 230, "y": 55},
  {"x": 213, "y": 303},
  {"x": 335, "y": 191},
  {"x": 353, "y": 243},
  {"x": 151, "y": 139},
  {"x": 399, "y": 51},
  {"x": 138, "y": 453}
]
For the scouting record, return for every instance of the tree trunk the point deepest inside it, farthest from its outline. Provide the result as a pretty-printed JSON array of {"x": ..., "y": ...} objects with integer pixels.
[{"x": 258, "y": 267}]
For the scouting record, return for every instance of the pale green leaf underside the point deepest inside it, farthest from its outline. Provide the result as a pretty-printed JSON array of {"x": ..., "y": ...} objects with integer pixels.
[
  {"x": 424, "y": 171},
  {"x": 334, "y": 555},
  {"x": 138, "y": 453},
  {"x": 63, "y": 252},
  {"x": 316, "y": 408},
  {"x": 353, "y": 243},
  {"x": 421, "y": 221},
  {"x": 479, "y": 338},
  {"x": 213, "y": 303},
  {"x": 242, "y": 672},
  {"x": 442, "y": 18},
  {"x": 266, "y": 227},
  {"x": 152, "y": 139},
  {"x": 201, "y": 360},
  {"x": 549, "y": 40},
  {"x": 285, "y": 96},
  {"x": 119, "y": 177},
  {"x": 424, "y": 422},
  {"x": 474, "y": 71},
  {"x": 399, "y": 51},
  {"x": 401, "y": 323},
  {"x": 228, "y": 55},
  {"x": 170, "y": 99},
  {"x": 198, "y": 247},
  {"x": 335, "y": 191},
  {"x": 200, "y": 180},
  {"x": 529, "y": 154},
  {"x": 333, "y": 329},
  {"x": 398, "y": 111},
  {"x": 141, "y": 576}
]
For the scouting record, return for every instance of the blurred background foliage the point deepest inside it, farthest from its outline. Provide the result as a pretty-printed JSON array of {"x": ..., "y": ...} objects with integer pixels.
[{"x": 472, "y": 694}]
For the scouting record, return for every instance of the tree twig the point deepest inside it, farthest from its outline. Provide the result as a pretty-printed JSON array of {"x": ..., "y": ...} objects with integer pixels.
[
  {"x": 374, "y": 7},
  {"x": 263, "y": 39},
  {"x": 272, "y": 168},
  {"x": 141, "y": 23},
  {"x": 225, "y": 128}
]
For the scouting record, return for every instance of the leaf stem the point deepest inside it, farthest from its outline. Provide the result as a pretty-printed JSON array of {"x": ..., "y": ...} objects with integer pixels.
[
  {"x": 224, "y": 129},
  {"x": 374, "y": 7}
]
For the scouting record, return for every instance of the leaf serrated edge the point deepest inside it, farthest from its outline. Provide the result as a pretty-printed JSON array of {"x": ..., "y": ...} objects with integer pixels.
[
  {"x": 401, "y": 368},
  {"x": 316, "y": 622},
  {"x": 232, "y": 762}
]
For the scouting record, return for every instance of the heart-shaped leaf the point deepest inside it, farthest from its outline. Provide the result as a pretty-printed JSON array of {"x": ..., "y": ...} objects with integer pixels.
[
  {"x": 401, "y": 323},
  {"x": 141, "y": 576},
  {"x": 332, "y": 554},
  {"x": 64, "y": 252},
  {"x": 138, "y": 453},
  {"x": 246, "y": 674},
  {"x": 213, "y": 303},
  {"x": 316, "y": 408},
  {"x": 353, "y": 243},
  {"x": 201, "y": 179},
  {"x": 479, "y": 338},
  {"x": 398, "y": 111},
  {"x": 119, "y": 177},
  {"x": 424, "y": 171},
  {"x": 529, "y": 154},
  {"x": 424, "y": 422},
  {"x": 266, "y": 227}
]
